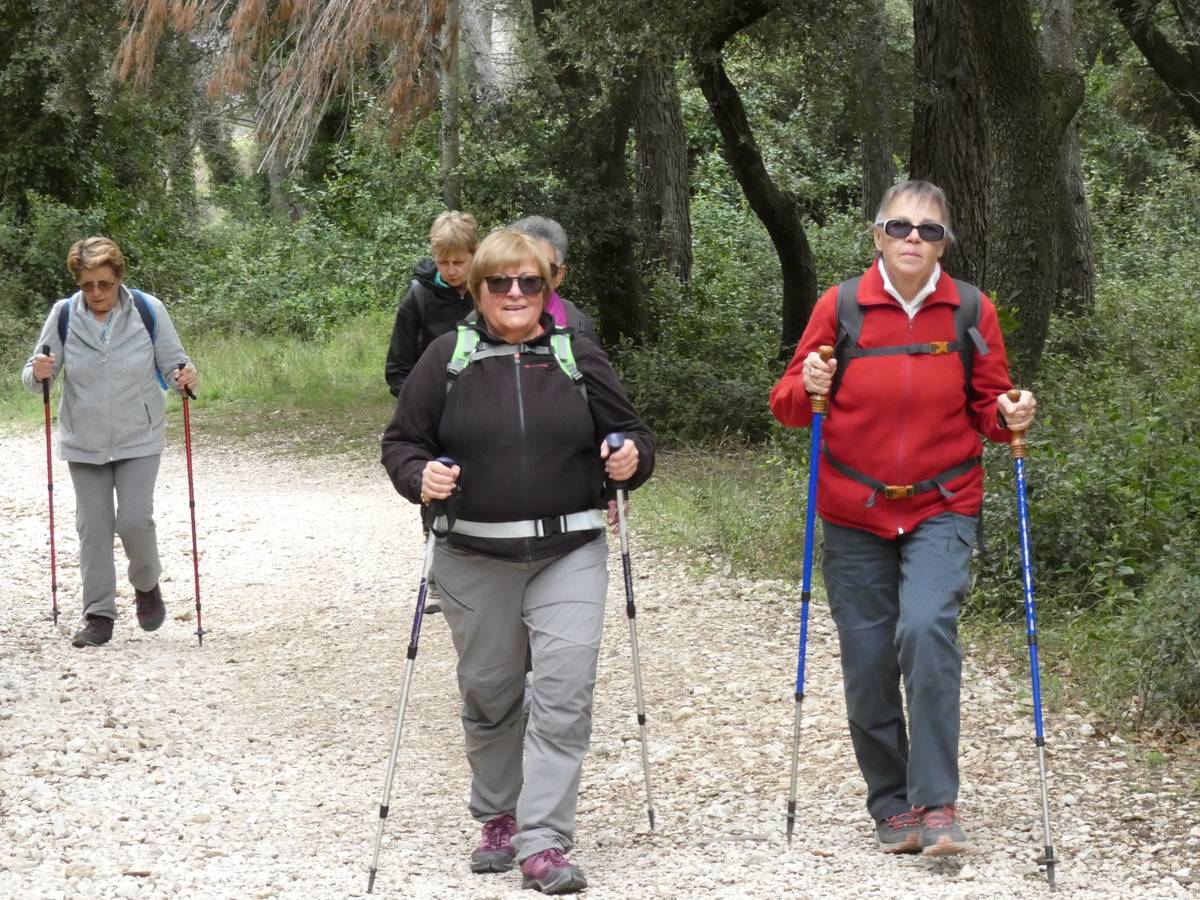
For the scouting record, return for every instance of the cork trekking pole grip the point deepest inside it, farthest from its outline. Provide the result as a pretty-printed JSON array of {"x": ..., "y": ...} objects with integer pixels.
[
  {"x": 1016, "y": 444},
  {"x": 820, "y": 402}
]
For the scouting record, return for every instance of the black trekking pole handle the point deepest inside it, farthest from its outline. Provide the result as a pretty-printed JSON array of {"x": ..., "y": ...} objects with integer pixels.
[
  {"x": 188, "y": 391},
  {"x": 445, "y": 507},
  {"x": 46, "y": 381},
  {"x": 615, "y": 442}
]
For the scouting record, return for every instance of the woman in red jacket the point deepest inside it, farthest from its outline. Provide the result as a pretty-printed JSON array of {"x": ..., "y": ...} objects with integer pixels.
[{"x": 900, "y": 493}]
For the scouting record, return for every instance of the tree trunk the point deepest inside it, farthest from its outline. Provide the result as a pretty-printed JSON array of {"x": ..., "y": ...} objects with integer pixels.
[
  {"x": 878, "y": 169},
  {"x": 1076, "y": 265},
  {"x": 779, "y": 212},
  {"x": 662, "y": 169},
  {"x": 448, "y": 59},
  {"x": 949, "y": 141},
  {"x": 593, "y": 162},
  {"x": 1027, "y": 113}
]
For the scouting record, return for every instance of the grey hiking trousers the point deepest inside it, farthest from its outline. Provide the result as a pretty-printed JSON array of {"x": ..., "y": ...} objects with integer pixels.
[
  {"x": 496, "y": 609},
  {"x": 97, "y": 519},
  {"x": 895, "y": 604}
]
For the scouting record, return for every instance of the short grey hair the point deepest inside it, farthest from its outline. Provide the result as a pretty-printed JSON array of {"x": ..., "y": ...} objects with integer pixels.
[
  {"x": 918, "y": 190},
  {"x": 542, "y": 229}
]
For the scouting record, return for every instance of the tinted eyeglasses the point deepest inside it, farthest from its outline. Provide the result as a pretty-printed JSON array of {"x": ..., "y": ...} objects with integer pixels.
[
  {"x": 502, "y": 284},
  {"x": 902, "y": 228},
  {"x": 89, "y": 287}
]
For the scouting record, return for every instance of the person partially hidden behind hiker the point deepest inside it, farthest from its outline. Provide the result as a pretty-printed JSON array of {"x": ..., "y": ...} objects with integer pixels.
[
  {"x": 437, "y": 297},
  {"x": 117, "y": 351},
  {"x": 523, "y": 409},
  {"x": 900, "y": 489}
]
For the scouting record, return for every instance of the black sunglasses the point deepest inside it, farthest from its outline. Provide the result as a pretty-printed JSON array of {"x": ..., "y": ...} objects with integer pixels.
[
  {"x": 902, "y": 228},
  {"x": 502, "y": 284}
]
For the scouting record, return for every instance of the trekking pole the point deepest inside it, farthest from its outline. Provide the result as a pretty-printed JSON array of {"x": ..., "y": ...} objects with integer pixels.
[
  {"x": 820, "y": 403},
  {"x": 1017, "y": 448},
  {"x": 430, "y": 513},
  {"x": 187, "y": 442},
  {"x": 615, "y": 441},
  {"x": 50, "y": 493}
]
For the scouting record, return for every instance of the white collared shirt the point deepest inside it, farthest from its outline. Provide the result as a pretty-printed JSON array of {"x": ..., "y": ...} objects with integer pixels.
[{"x": 911, "y": 306}]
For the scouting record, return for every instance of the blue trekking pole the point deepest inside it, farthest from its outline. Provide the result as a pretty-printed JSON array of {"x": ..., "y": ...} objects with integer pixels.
[
  {"x": 615, "y": 442},
  {"x": 429, "y": 512},
  {"x": 1017, "y": 448},
  {"x": 50, "y": 494},
  {"x": 820, "y": 403}
]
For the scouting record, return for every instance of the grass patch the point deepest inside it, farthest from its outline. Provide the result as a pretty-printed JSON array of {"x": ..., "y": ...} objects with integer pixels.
[{"x": 331, "y": 392}]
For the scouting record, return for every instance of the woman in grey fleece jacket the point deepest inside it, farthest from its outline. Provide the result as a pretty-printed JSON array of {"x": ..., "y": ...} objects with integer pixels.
[{"x": 110, "y": 424}]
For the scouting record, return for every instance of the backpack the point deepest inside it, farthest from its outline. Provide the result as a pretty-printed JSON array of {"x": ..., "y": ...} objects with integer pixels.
[
  {"x": 144, "y": 310},
  {"x": 472, "y": 346},
  {"x": 967, "y": 342}
]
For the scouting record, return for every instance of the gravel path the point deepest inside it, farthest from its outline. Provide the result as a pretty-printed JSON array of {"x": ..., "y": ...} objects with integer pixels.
[{"x": 251, "y": 767}]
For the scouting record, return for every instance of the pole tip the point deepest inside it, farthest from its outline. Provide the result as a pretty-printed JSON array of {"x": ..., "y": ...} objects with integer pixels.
[{"x": 371, "y": 880}]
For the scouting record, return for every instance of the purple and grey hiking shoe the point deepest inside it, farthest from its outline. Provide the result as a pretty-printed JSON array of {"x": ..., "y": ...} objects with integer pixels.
[
  {"x": 495, "y": 851},
  {"x": 900, "y": 833},
  {"x": 940, "y": 832},
  {"x": 551, "y": 873}
]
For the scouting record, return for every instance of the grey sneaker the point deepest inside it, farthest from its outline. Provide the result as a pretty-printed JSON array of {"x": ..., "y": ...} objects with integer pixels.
[
  {"x": 495, "y": 850},
  {"x": 940, "y": 832},
  {"x": 900, "y": 833},
  {"x": 551, "y": 873},
  {"x": 96, "y": 631},
  {"x": 433, "y": 597}
]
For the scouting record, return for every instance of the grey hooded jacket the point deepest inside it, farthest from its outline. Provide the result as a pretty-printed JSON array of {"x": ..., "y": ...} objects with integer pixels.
[{"x": 112, "y": 406}]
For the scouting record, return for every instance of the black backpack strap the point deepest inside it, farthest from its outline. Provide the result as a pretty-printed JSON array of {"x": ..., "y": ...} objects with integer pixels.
[
  {"x": 849, "y": 319},
  {"x": 64, "y": 322},
  {"x": 966, "y": 329},
  {"x": 143, "y": 307}
]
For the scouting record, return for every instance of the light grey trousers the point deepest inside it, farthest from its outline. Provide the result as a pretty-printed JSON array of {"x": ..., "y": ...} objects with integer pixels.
[
  {"x": 495, "y": 610},
  {"x": 97, "y": 519}
]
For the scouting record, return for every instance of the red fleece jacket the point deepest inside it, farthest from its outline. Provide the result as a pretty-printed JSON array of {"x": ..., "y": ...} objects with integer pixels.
[{"x": 899, "y": 419}]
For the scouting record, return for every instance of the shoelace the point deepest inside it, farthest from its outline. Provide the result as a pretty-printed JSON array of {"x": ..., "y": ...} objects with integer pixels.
[
  {"x": 940, "y": 817},
  {"x": 906, "y": 819},
  {"x": 553, "y": 858},
  {"x": 496, "y": 833}
]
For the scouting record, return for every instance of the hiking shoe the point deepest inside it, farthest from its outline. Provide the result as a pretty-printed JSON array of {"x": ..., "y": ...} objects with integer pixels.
[
  {"x": 150, "y": 609},
  {"x": 495, "y": 851},
  {"x": 97, "y": 630},
  {"x": 551, "y": 873},
  {"x": 900, "y": 833},
  {"x": 940, "y": 832}
]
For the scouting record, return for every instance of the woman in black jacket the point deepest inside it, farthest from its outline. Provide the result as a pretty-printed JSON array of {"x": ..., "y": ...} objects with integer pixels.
[{"x": 523, "y": 409}]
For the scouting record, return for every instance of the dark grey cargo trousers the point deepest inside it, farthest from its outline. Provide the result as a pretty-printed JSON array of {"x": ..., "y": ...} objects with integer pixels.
[{"x": 895, "y": 604}]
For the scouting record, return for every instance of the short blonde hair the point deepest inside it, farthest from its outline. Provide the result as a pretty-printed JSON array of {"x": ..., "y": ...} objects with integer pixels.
[
  {"x": 95, "y": 251},
  {"x": 453, "y": 230},
  {"x": 500, "y": 250}
]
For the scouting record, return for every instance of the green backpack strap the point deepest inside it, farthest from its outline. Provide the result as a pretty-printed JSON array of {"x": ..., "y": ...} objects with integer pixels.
[
  {"x": 560, "y": 343},
  {"x": 470, "y": 346}
]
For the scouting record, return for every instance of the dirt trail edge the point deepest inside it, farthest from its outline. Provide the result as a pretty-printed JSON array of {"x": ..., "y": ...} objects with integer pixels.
[{"x": 252, "y": 767}]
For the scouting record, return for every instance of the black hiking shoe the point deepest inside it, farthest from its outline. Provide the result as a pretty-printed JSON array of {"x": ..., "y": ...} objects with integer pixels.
[
  {"x": 150, "y": 609},
  {"x": 940, "y": 832},
  {"x": 900, "y": 833},
  {"x": 96, "y": 631},
  {"x": 433, "y": 597}
]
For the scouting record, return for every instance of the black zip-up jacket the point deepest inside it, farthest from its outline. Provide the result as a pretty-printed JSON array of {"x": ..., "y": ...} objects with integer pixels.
[
  {"x": 527, "y": 443},
  {"x": 427, "y": 311}
]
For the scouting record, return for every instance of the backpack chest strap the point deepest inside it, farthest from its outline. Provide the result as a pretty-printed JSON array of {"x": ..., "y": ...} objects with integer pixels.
[{"x": 932, "y": 348}]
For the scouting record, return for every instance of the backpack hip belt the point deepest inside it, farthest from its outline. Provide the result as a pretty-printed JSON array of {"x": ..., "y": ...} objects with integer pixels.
[
  {"x": 903, "y": 491},
  {"x": 587, "y": 520}
]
